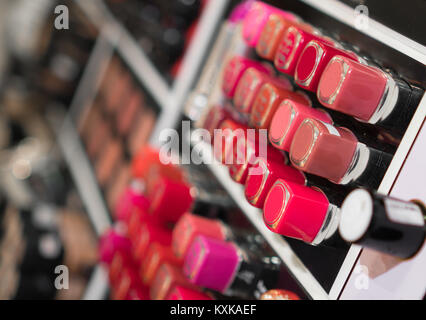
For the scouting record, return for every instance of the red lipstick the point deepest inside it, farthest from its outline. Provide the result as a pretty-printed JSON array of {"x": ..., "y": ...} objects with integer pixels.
[
  {"x": 156, "y": 256},
  {"x": 272, "y": 34},
  {"x": 267, "y": 101}
]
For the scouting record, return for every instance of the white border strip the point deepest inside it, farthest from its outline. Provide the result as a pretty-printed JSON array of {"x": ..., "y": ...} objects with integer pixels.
[
  {"x": 98, "y": 285},
  {"x": 376, "y": 30}
]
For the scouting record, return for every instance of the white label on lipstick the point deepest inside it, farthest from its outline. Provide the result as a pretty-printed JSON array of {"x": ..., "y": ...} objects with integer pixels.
[
  {"x": 404, "y": 213},
  {"x": 332, "y": 130}
]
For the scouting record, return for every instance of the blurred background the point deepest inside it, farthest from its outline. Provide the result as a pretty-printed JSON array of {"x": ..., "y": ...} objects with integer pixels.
[{"x": 44, "y": 221}]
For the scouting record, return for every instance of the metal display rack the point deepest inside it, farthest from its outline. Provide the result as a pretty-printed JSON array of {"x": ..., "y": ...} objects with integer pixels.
[{"x": 171, "y": 100}]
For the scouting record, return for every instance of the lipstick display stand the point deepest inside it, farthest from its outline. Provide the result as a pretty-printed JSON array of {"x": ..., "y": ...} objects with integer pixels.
[{"x": 312, "y": 272}]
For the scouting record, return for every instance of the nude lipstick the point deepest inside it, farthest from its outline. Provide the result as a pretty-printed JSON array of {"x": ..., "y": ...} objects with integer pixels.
[
  {"x": 334, "y": 153},
  {"x": 383, "y": 223},
  {"x": 300, "y": 212},
  {"x": 156, "y": 256},
  {"x": 267, "y": 101},
  {"x": 291, "y": 46},
  {"x": 240, "y": 270},
  {"x": 287, "y": 120},
  {"x": 312, "y": 62},
  {"x": 368, "y": 94}
]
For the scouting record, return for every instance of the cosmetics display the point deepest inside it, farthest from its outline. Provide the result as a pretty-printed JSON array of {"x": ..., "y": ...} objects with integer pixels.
[{"x": 383, "y": 223}]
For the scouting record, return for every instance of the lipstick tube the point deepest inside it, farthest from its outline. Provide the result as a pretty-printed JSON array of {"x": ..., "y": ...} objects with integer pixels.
[
  {"x": 291, "y": 46},
  {"x": 313, "y": 60},
  {"x": 335, "y": 154},
  {"x": 246, "y": 153},
  {"x": 182, "y": 293},
  {"x": 256, "y": 19},
  {"x": 131, "y": 199},
  {"x": 226, "y": 139},
  {"x": 167, "y": 278},
  {"x": 190, "y": 226},
  {"x": 296, "y": 211},
  {"x": 234, "y": 70},
  {"x": 111, "y": 242},
  {"x": 138, "y": 216},
  {"x": 128, "y": 285},
  {"x": 156, "y": 256},
  {"x": 278, "y": 294},
  {"x": 240, "y": 274},
  {"x": 267, "y": 101},
  {"x": 390, "y": 103},
  {"x": 273, "y": 32},
  {"x": 212, "y": 119},
  {"x": 287, "y": 120},
  {"x": 147, "y": 162},
  {"x": 120, "y": 261},
  {"x": 199, "y": 98},
  {"x": 262, "y": 177},
  {"x": 250, "y": 84},
  {"x": 149, "y": 233},
  {"x": 169, "y": 200},
  {"x": 383, "y": 223}
]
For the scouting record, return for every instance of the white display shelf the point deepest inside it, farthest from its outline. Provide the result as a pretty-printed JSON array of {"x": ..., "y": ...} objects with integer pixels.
[
  {"x": 72, "y": 149},
  {"x": 236, "y": 191}
]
